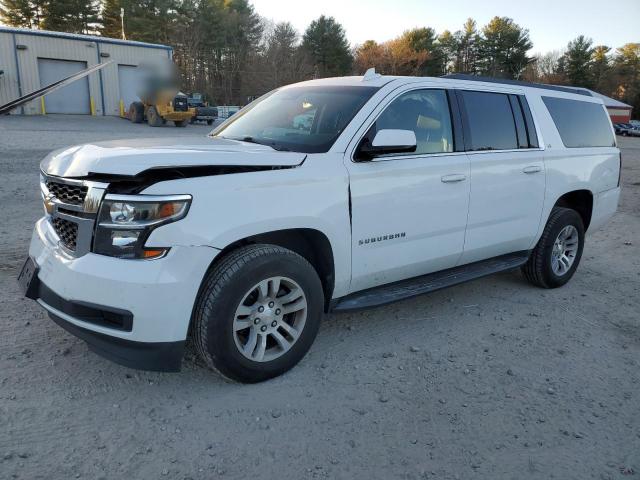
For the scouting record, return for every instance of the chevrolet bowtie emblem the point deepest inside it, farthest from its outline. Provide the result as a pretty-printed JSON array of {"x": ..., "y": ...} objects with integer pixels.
[{"x": 48, "y": 204}]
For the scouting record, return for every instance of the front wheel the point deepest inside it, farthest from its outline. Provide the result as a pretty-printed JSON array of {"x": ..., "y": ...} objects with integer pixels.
[
  {"x": 555, "y": 258},
  {"x": 258, "y": 313}
]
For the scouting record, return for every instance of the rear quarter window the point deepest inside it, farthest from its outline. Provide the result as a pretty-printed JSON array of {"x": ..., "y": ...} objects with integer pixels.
[{"x": 580, "y": 124}]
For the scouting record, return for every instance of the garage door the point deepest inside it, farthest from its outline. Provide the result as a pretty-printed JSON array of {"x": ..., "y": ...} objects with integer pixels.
[
  {"x": 128, "y": 82},
  {"x": 73, "y": 98}
]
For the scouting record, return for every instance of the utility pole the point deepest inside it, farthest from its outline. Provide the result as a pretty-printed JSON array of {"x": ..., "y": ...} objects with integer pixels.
[{"x": 122, "y": 23}]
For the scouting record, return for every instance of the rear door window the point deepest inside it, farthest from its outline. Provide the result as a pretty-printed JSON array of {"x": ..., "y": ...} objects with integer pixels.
[
  {"x": 580, "y": 124},
  {"x": 490, "y": 121}
]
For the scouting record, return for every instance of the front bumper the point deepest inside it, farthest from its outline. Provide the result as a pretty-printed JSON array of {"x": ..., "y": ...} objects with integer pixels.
[{"x": 148, "y": 303}]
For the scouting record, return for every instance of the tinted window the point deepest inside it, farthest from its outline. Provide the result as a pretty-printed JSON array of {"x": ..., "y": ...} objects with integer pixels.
[
  {"x": 490, "y": 121},
  {"x": 426, "y": 112},
  {"x": 580, "y": 124},
  {"x": 300, "y": 119}
]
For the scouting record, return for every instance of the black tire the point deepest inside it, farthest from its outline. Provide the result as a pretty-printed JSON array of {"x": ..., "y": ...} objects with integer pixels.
[
  {"x": 209, "y": 122},
  {"x": 136, "y": 112},
  {"x": 222, "y": 292},
  {"x": 538, "y": 269},
  {"x": 180, "y": 123},
  {"x": 153, "y": 117}
]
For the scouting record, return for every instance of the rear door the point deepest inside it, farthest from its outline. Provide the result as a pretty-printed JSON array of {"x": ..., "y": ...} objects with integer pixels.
[
  {"x": 409, "y": 211},
  {"x": 73, "y": 98},
  {"x": 507, "y": 174}
]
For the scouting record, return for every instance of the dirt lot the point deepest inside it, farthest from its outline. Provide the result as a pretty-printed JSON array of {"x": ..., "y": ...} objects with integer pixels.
[{"x": 494, "y": 379}]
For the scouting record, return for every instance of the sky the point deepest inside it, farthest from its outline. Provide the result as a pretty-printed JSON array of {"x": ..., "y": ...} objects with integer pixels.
[{"x": 551, "y": 23}]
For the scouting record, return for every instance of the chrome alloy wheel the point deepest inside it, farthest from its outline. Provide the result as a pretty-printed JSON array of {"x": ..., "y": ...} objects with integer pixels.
[
  {"x": 564, "y": 250},
  {"x": 270, "y": 319}
]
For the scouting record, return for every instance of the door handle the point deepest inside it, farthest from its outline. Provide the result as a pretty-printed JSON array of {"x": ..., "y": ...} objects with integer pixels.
[
  {"x": 532, "y": 169},
  {"x": 453, "y": 178}
]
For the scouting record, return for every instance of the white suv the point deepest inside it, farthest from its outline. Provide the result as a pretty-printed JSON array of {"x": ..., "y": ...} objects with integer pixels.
[{"x": 328, "y": 195}]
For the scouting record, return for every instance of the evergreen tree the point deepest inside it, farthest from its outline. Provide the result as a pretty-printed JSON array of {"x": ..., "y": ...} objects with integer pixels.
[
  {"x": 73, "y": 16},
  {"x": 503, "y": 48},
  {"x": 601, "y": 69},
  {"x": 22, "y": 13},
  {"x": 326, "y": 44},
  {"x": 577, "y": 61}
]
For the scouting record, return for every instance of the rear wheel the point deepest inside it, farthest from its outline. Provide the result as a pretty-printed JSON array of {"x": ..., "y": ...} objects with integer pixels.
[
  {"x": 258, "y": 313},
  {"x": 153, "y": 117},
  {"x": 555, "y": 258},
  {"x": 136, "y": 112}
]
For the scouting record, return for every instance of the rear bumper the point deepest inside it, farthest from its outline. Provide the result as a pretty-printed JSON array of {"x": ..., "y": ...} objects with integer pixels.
[{"x": 605, "y": 205}]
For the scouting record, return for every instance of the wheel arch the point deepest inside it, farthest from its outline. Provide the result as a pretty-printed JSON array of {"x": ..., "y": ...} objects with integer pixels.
[
  {"x": 309, "y": 243},
  {"x": 579, "y": 200}
]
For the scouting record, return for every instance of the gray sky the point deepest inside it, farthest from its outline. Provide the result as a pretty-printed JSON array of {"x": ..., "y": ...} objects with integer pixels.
[{"x": 551, "y": 23}]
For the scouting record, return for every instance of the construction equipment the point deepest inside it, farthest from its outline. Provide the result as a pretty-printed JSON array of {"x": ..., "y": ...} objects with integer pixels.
[{"x": 160, "y": 100}]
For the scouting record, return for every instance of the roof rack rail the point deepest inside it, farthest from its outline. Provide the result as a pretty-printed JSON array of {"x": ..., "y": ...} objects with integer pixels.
[{"x": 480, "y": 78}]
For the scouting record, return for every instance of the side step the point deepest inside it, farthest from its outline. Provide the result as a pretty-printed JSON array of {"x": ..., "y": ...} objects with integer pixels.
[{"x": 393, "y": 292}]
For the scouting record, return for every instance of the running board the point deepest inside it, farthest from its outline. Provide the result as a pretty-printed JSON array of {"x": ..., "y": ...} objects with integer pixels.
[{"x": 393, "y": 292}]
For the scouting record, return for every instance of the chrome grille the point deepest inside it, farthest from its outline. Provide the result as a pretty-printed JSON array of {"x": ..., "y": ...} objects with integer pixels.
[
  {"x": 67, "y": 231},
  {"x": 66, "y": 193}
]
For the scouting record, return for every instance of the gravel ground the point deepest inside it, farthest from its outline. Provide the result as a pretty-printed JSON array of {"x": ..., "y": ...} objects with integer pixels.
[{"x": 494, "y": 379}]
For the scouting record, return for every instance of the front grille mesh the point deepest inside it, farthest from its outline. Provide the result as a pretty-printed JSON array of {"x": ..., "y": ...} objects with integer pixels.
[
  {"x": 72, "y": 194},
  {"x": 67, "y": 231}
]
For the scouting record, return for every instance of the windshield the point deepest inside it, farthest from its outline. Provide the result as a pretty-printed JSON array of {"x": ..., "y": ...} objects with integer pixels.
[{"x": 297, "y": 119}]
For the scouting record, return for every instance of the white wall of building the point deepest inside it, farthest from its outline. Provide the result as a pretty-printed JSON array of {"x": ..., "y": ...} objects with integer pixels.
[{"x": 24, "y": 48}]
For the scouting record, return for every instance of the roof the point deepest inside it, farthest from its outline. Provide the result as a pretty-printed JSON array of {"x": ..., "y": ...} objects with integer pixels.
[
  {"x": 77, "y": 36},
  {"x": 519, "y": 83},
  {"x": 608, "y": 101}
]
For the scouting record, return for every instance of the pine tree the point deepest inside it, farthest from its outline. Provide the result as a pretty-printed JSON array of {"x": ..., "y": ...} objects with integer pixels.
[
  {"x": 22, "y": 13},
  {"x": 503, "y": 48},
  {"x": 577, "y": 62},
  {"x": 326, "y": 44},
  {"x": 73, "y": 16}
]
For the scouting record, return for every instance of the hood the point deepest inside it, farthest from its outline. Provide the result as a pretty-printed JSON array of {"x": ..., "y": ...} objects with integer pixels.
[{"x": 131, "y": 157}]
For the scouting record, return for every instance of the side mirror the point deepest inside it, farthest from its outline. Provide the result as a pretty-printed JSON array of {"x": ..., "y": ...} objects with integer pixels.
[{"x": 389, "y": 141}]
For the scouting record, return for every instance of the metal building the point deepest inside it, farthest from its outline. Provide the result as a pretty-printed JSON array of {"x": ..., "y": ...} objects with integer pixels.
[{"x": 31, "y": 59}]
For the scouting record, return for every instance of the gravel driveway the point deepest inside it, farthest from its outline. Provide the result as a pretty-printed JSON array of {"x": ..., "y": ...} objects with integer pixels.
[{"x": 494, "y": 379}]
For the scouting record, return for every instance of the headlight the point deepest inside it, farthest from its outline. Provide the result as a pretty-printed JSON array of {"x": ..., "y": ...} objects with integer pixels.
[{"x": 126, "y": 221}]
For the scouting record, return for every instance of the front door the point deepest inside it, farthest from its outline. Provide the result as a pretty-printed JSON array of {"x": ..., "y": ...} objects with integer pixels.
[{"x": 409, "y": 211}]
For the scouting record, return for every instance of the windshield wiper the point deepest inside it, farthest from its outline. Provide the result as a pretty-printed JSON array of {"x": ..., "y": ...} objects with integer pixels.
[{"x": 249, "y": 139}]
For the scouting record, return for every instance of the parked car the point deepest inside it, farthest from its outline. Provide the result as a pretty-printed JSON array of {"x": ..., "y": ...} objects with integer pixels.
[
  {"x": 203, "y": 112},
  {"x": 244, "y": 238},
  {"x": 627, "y": 130}
]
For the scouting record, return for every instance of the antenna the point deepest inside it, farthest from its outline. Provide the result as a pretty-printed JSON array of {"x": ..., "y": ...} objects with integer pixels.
[{"x": 370, "y": 74}]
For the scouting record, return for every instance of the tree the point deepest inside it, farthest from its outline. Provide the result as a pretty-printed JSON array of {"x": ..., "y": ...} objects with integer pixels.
[
  {"x": 503, "y": 48},
  {"x": 283, "y": 58},
  {"x": 22, "y": 13},
  {"x": 326, "y": 44},
  {"x": 151, "y": 21},
  {"x": 601, "y": 69},
  {"x": 73, "y": 16},
  {"x": 467, "y": 42},
  {"x": 449, "y": 51},
  {"x": 423, "y": 43},
  {"x": 626, "y": 65},
  {"x": 577, "y": 62}
]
